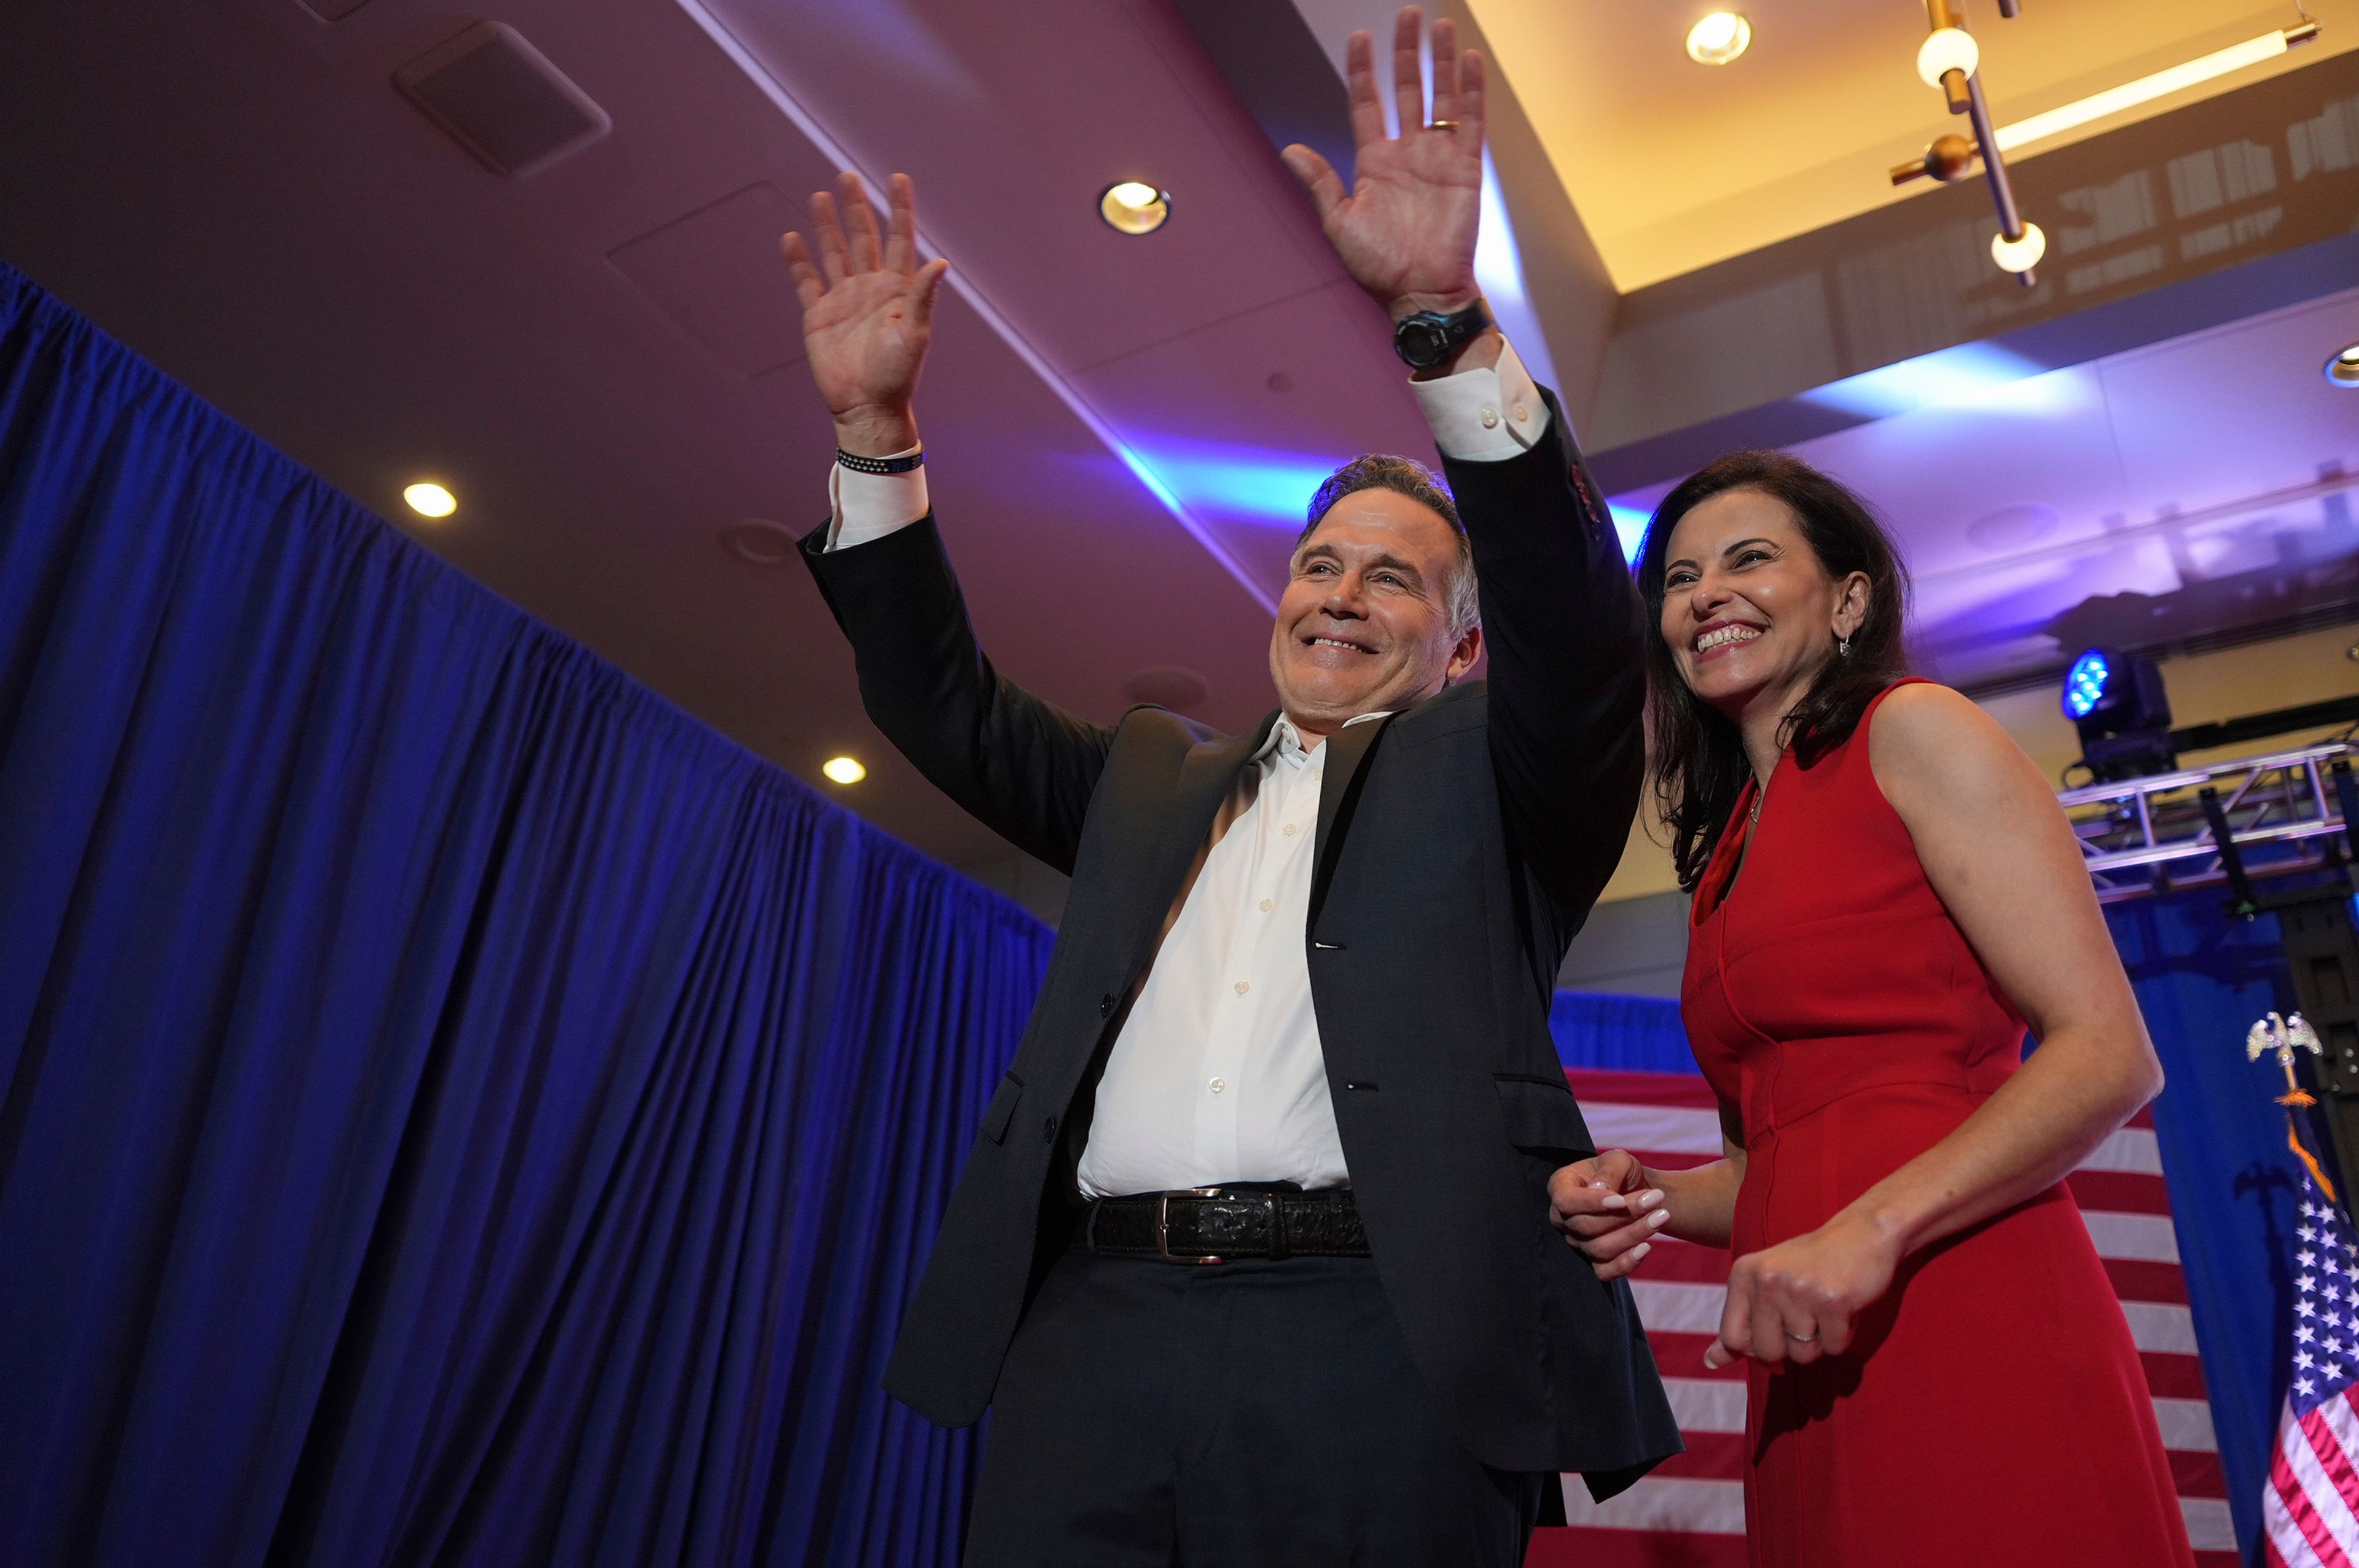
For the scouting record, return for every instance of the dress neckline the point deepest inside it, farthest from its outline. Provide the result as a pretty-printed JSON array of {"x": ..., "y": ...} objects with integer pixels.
[{"x": 1717, "y": 884}]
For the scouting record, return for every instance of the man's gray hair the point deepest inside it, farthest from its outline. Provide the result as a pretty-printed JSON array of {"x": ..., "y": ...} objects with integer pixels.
[{"x": 1406, "y": 476}]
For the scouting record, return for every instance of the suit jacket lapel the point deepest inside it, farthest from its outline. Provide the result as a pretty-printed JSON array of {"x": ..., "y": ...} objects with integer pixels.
[
  {"x": 1339, "y": 792},
  {"x": 1206, "y": 775}
]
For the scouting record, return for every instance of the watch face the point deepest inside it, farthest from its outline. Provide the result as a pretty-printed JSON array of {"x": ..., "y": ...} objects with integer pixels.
[{"x": 1421, "y": 343}]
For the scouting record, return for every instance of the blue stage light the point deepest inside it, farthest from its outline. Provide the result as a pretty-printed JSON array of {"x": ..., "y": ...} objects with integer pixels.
[
  {"x": 2116, "y": 703},
  {"x": 2085, "y": 683}
]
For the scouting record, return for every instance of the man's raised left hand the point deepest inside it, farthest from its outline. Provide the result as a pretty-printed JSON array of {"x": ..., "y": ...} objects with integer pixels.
[{"x": 1406, "y": 229}]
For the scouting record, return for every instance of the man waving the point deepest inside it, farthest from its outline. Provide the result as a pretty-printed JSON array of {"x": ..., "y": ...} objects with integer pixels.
[{"x": 1252, "y": 1258}]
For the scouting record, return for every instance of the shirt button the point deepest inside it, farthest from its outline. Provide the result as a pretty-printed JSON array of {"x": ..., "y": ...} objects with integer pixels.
[
  {"x": 1219, "y": 1084},
  {"x": 1490, "y": 417},
  {"x": 1243, "y": 986},
  {"x": 1265, "y": 907},
  {"x": 1519, "y": 413},
  {"x": 1289, "y": 829}
]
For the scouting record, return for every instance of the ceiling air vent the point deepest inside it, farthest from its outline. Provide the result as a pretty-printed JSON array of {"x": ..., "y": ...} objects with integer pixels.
[{"x": 503, "y": 100}]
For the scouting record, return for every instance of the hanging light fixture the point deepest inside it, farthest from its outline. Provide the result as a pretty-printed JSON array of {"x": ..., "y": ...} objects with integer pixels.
[{"x": 1950, "y": 60}]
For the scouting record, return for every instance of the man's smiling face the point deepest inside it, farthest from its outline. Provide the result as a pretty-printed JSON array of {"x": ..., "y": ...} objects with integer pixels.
[{"x": 1364, "y": 625}]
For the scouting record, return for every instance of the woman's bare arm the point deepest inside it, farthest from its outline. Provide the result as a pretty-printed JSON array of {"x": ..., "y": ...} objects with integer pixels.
[{"x": 1997, "y": 849}]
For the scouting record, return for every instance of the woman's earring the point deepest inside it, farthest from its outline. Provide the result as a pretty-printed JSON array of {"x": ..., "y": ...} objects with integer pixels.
[{"x": 1843, "y": 647}]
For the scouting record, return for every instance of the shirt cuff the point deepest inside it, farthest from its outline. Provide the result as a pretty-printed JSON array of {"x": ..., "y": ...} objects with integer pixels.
[
  {"x": 864, "y": 506},
  {"x": 1487, "y": 415}
]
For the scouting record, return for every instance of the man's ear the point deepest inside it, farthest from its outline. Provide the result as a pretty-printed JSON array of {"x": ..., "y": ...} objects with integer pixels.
[{"x": 1462, "y": 657}]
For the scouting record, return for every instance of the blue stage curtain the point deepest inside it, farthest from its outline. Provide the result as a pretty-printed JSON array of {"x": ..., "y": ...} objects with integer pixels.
[
  {"x": 454, "y": 1108},
  {"x": 2201, "y": 978},
  {"x": 1634, "y": 1033}
]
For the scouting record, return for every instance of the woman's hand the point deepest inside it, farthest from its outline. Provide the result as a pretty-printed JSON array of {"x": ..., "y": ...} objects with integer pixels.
[
  {"x": 1605, "y": 1206},
  {"x": 1797, "y": 1301}
]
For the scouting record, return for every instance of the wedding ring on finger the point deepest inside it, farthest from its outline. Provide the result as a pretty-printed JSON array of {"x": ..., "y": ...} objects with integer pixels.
[
  {"x": 1809, "y": 1338},
  {"x": 1442, "y": 126}
]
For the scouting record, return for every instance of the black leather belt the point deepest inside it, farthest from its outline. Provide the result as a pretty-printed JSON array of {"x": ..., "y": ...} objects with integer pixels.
[{"x": 1216, "y": 1225}]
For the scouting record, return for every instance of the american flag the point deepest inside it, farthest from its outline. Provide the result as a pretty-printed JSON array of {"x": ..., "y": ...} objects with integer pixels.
[
  {"x": 2308, "y": 1509},
  {"x": 1690, "y": 1513}
]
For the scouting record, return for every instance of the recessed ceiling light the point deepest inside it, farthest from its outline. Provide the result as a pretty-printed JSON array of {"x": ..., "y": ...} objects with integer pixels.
[
  {"x": 429, "y": 500},
  {"x": 843, "y": 769},
  {"x": 1719, "y": 39},
  {"x": 2342, "y": 370},
  {"x": 1134, "y": 208}
]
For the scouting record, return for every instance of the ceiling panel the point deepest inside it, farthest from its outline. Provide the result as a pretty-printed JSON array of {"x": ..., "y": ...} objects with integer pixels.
[
  {"x": 2176, "y": 495},
  {"x": 1673, "y": 165}
]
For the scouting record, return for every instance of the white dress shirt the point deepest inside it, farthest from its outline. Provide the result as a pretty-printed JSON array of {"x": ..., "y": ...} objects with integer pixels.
[{"x": 1217, "y": 1073}]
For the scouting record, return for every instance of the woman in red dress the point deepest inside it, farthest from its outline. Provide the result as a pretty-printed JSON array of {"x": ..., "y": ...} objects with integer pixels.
[{"x": 1886, "y": 896}]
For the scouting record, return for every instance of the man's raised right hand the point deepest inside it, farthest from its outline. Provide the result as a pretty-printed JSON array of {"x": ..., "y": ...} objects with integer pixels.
[{"x": 868, "y": 312}]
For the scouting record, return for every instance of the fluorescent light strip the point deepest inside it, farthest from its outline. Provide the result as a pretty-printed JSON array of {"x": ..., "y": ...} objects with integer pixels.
[
  {"x": 2130, "y": 95},
  {"x": 834, "y": 151}
]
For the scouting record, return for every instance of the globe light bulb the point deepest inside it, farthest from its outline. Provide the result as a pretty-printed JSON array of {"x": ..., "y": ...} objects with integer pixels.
[
  {"x": 1944, "y": 51},
  {"x": 2019, "y": 255},
  {"x": 429, "y": 500},
  {"x": 843, "y": 769}
]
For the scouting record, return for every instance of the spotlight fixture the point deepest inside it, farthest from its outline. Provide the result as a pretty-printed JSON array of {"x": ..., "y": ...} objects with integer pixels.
[
  {"x": 429, "y": 500},
  {"x": 2342, "y": 370},
  {"x": 1719, "y": 39},
  {"x": 2116, "y": 702},
  {"x": 1134, "y": 207},
  {"x": 843, "y": 769},
  {"x": 1949, "y": 59}
]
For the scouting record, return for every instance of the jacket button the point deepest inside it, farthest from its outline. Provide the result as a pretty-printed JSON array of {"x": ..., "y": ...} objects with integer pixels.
[
  {"x": 1049, "y": 1131},
  {"x": 1105, "y": 1005}
]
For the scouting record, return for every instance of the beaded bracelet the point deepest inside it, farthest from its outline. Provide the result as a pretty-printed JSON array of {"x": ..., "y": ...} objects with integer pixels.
[{"x": 859, "y": 464}]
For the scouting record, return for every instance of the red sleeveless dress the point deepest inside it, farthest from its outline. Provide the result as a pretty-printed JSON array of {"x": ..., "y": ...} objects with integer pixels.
[{"x": 1992, "y": 1408}]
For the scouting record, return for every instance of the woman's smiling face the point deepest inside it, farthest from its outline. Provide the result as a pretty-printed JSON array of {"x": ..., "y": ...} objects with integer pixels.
[{"x": 1748, "y": 607}]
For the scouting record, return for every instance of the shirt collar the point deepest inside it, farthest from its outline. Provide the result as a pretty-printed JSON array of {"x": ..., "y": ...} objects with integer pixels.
[{"x": 1287, "y": 740}]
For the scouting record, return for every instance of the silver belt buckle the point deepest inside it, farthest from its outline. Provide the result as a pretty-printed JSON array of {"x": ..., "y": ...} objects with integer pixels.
[{"x": 1163, "y": 1222}]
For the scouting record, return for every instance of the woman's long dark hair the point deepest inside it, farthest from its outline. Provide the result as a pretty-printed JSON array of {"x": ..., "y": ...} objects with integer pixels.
[{"x": 1700, "y": 766}]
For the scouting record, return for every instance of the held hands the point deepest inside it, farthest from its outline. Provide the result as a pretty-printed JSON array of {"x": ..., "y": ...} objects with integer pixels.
[
  {"x": 1797, "y": 1301},
  {"x": 1605, "y": 1207},
  {"x": 868, "y": 312},
  {"x": 1405, "y": 231}
]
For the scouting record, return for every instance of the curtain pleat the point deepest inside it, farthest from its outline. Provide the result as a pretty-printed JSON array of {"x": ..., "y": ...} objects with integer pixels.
[{"x": 454, "y": 1108}]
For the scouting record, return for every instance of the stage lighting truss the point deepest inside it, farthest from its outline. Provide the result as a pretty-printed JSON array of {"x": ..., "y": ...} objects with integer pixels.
[
  {"x": 2284, "y": 813},
  {"x": 1950, "y": 60}
]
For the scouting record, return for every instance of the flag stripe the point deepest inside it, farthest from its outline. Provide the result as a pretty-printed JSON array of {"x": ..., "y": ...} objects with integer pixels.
[
  {"x": 1710, "y": 1507},
  {"x": 2129, "y": 1192},
  {"x": 2210, "y": 1526},
  {"x": 2186, "y": 1424},
  {"x": 2134, "y": 1237},
  {"x": 2294, "y": 1477}
]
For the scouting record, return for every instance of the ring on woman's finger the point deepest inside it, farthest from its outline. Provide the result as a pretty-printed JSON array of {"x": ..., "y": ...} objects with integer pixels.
[{"x": 1809, "y": 1338}]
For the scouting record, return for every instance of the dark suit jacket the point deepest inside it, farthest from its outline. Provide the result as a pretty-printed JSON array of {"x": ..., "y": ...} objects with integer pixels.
[{"x": 1459, "y": 845}]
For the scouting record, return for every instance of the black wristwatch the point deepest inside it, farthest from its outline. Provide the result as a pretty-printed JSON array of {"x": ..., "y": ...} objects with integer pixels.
[{"x": 1429, "y": 338}]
